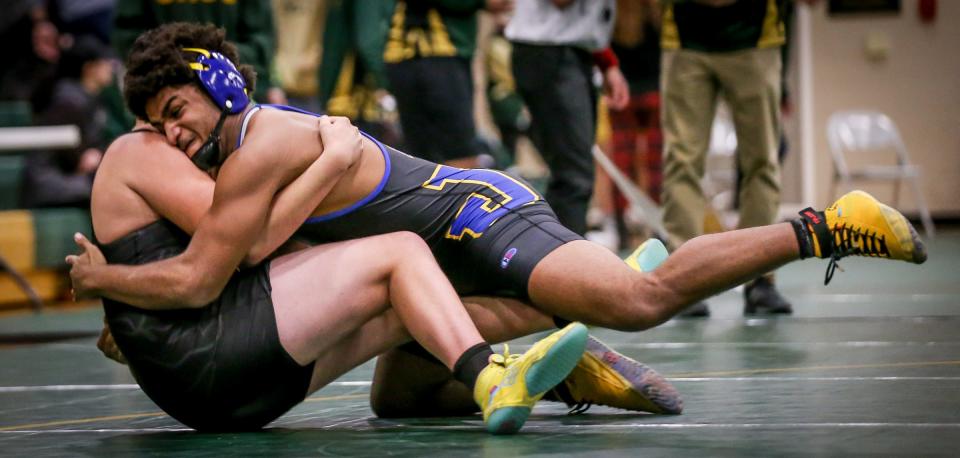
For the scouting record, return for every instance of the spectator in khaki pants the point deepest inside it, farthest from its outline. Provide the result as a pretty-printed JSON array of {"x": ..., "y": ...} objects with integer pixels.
[{"x": 728, "y": 48}]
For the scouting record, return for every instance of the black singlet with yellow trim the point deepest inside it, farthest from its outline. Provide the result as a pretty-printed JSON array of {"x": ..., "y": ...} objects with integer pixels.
[
  {"x": 216, "y": 368},
  {"x": 487, "y": 229}
]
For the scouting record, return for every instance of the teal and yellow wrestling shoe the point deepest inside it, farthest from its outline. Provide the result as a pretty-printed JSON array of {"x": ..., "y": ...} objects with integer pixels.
[
  {"x": 510, "y": 385},
  {"x": 648, "y": 256}
]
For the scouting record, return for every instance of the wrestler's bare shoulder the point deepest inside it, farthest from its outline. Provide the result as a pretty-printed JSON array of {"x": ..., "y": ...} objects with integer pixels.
[
  {"x": 116, "y": 208},
  {"x": 142, "y": 178},
  {"x": 273, "y": 135}
]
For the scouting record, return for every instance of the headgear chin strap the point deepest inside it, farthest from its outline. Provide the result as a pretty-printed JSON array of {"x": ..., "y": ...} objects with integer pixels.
[
  {"x": 228, "y": 90},
  {"x": 208, "y": 156}
]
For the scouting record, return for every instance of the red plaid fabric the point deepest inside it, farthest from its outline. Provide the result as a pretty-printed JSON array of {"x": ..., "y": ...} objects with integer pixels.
[{"x": 638, "y": 144}]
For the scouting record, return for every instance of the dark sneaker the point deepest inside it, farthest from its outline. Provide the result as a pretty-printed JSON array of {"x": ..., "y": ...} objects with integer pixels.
[
  {"x": 697, "y": 310},
  {"x": 761, "y": 297}
]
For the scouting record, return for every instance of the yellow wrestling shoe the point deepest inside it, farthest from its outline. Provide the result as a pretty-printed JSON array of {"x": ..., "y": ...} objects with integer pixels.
[
  {"x": 510, "y": 385},
  {"x": 606, "y": 377},
  {"x": 859, "y": 225}
]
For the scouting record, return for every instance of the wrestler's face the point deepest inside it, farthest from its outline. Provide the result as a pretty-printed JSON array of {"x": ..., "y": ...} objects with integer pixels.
[{"x": 185, "y": 115}]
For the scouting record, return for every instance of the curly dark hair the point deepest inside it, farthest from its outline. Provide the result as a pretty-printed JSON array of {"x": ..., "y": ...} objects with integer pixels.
[{"x": 157, "y": 60}]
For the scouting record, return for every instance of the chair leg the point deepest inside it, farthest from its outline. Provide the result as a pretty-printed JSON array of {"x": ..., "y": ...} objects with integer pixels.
[
  {"x": 896, "y": 192},
  {"x": 23, "y": 284},
  {"x": 925, "y": 217}
]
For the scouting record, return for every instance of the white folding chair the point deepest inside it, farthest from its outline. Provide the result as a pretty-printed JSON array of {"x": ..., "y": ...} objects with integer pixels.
[
  {"x": 720, "y": 171},
  {"x": 863, "y": 131}
]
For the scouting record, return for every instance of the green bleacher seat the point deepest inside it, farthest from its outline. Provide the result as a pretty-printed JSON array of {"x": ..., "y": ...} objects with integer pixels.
[
  {"x": 12, "y": 114},
  {"x": 54, "y": 228},
  {"x": 11, "y": 174},
  {"x": 15, "y": 114}
]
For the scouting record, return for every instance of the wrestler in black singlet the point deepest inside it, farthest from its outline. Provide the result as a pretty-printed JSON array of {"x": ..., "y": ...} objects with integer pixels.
[
  {"x": 217, "y": 368},
  {"x": 487, "y": 229}
]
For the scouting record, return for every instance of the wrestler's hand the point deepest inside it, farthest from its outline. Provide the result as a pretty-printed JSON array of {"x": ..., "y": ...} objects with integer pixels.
[
  {"x": 83, "y": 265},
  {"x": 342, "y": 141},
  {"x": 108, "y": 346}
]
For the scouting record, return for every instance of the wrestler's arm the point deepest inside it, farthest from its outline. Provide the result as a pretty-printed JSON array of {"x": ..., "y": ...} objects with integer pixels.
[
  {"x": 343, "y": 145},
  {"x": 185, "y": 203},
  {"x": 247, "y": 184}
]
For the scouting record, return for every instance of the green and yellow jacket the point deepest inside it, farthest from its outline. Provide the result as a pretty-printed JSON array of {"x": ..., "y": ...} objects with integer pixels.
[
  {"x": 743, "y": 24},
  {"x": 248, "y": 23},
  {"x": 432, "y": 28}
]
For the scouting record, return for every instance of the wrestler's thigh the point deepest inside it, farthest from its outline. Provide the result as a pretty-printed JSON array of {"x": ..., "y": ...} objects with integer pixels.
[
  {"x": 582, "y": 281},
  {"x": 324, "y": 293},
  {"x": 378, "y": 335}
]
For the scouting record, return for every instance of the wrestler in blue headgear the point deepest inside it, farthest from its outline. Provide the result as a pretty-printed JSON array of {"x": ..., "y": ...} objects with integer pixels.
[{"x": 178, "y": 54}]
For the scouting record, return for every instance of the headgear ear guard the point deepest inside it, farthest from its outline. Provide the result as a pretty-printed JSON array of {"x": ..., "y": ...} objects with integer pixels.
[
  {"x": 221, "y": 79},
  {"x": 228, "y": 90}
]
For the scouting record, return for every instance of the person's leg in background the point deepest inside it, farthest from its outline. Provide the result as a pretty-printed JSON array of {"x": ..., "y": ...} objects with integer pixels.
[
  {"x": 435, "y": 102},
  {"x": 602, "y": 215},
  {"x": 507, "y": 110},
  {"x": 405, "y": 85},
  {"x": 637, "y": 146},
  {"x": 689, "y": 93},
  {"x": 447, "y": 95},
  {"x": 555, "y": 83},
  {"x": 623, "y": 146},
  {"x": 751, "y": 82},
  {"x": 649, "y": 153}
]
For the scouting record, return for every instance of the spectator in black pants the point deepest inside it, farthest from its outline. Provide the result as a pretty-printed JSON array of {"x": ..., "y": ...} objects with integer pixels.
[
  {"x": 555, "y": 46},
  {"x": 427, "y": 56}
]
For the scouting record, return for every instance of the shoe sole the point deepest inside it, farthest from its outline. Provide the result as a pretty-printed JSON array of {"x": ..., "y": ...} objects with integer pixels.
[
  {"x": 659, "y": 393},
  {"x": 900, "y": 226},
  {"x": 544, "y": 374},
  {"x": 905, "y": 233},
  {"x": 767, "y": 311}
]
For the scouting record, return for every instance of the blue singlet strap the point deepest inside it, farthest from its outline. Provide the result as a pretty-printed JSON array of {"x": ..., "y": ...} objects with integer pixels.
[{"x": 343, "y": 211}]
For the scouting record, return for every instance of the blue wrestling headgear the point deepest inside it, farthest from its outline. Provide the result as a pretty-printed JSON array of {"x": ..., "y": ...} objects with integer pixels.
[
  {"x": 228, "y": 90},
  {"x": 221, "y": 79}
]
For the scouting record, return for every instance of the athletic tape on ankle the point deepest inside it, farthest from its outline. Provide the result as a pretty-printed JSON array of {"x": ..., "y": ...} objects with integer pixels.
[{"x": 803, "y": 238}]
